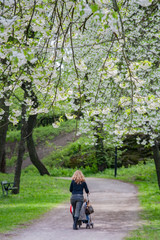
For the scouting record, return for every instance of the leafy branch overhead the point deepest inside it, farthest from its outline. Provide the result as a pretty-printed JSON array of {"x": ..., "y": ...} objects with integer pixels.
[{"x": 99, "y": 57}]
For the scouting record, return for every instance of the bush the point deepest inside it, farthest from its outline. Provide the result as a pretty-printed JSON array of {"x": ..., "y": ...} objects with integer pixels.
[
  {"x": 78, "y": 155},
  {"x": 74, "y": 155},
  {"x": 62, "y": 172}
]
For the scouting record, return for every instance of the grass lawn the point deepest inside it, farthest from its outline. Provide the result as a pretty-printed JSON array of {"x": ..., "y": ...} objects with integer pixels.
[
  {"x": 37, "y": 195},
  {"x": 144, "y": 177}
]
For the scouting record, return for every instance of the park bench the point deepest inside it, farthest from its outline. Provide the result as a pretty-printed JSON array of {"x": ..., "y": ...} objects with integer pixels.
[{"x": 7, "y": 186}]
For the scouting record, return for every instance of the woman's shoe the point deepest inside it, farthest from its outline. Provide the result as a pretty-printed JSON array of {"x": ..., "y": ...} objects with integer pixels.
[{"x": 75, "y": 223}]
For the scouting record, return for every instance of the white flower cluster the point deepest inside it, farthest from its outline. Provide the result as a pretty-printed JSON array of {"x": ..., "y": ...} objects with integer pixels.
[{"x": 110, "y": 72}]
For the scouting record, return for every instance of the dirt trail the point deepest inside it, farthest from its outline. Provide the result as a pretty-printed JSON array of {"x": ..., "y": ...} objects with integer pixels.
[
  {"x": 43, "y": 150},
  {"x": 116, "y": 213}
]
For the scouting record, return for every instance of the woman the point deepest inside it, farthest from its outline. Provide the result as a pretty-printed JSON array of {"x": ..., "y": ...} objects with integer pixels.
[{"x": 76, "y": 188}]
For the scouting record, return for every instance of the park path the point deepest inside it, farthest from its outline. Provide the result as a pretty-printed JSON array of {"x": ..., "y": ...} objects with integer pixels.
[{"x": 116, "y": 213}]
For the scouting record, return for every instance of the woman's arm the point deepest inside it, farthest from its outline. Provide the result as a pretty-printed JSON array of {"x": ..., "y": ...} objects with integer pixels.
[
  {"x": 71, "y": 187},
  {"x": 86, "y": 188}
]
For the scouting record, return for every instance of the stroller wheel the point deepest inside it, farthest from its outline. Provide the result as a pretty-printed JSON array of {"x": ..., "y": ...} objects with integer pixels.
[
  {"x": 88, "y": 225},
  {"x": 79, "y": 223}
]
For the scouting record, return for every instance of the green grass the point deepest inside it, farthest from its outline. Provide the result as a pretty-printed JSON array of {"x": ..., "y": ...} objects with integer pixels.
[
  {"x": 37, "y": 195},
  {"x": 41, "y": 134},
  {"x": 144, "y": 177},
  {"x": 48, "y": 132},
  {"x": 45, "y": 133},
  {"x": 40, "y": 194}
]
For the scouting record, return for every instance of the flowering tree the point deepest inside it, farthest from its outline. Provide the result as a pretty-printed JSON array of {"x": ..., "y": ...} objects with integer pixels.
[
  {"x": 120, "y": 56},
  {"x": 100, "y": 56},
  {"x": 30, "y": 70}
]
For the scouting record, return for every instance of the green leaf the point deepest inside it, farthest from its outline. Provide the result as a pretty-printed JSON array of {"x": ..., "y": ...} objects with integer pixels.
[
  {"x": 62, "y": 51},
  {"x": 128, "y": 111},
  {"x": 2, "y": 29},
  {"x": 115, "y": 15},
  {"x": 100, "y": 15},
  {"x": 15, "y": 60},
  {"x": 82, "y": 13},
  {"x": 94, "y": 7},
  {"x": 106, "y": 26}
]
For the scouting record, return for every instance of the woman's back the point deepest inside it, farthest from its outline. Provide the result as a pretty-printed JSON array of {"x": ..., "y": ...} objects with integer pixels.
[{"x": 77, "y": 188}]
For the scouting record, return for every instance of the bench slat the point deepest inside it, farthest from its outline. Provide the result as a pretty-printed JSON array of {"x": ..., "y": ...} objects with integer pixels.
[{"x": 7, "y": 186}]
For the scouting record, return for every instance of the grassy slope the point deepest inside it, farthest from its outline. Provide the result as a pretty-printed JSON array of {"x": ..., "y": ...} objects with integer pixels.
[
  {"x": 41, "y": 134},
  {"x": 144, "y": 176},
  {"x": 45, "y": 133}
]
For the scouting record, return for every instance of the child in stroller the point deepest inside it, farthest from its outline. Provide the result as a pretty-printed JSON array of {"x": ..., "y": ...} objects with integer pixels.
[{"x": 85, "y": 214}]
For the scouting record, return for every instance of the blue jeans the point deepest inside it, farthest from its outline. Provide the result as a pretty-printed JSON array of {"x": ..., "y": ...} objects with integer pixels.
[{"x": 77, "y": 202}]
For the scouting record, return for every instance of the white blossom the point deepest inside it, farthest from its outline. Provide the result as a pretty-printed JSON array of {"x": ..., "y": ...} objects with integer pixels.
[
  {"x": 33, "y": 60},
  {"x": 106, "y": 111},
  {"x": 29, "y": 102},
  {"x": 81, "y": 65},
  {"x": 56, "y": 124},
  {"x": 7, "y": 22},
  {"x": 13, "y": 120},
  {"x": 20, "y": 57},
  {"x": 8, "y": 103},
  {"x": 144, "y": 142},
  {"x": 95, "y": 112},
  {"x": 144, "y": 3},
  {"x": 17, "y": 113},
  {"x": 69, "y": 116}
]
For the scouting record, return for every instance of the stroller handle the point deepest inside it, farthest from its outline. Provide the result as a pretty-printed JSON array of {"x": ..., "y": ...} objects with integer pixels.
[{"x": 87, "y": 197}]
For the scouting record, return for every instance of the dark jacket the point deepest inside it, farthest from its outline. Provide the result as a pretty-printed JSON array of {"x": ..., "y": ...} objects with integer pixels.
[{"x": 78, "y": 188}]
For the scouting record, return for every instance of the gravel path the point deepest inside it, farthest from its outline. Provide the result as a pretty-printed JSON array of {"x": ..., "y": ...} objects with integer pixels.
[{"x": 116, "y": 213}]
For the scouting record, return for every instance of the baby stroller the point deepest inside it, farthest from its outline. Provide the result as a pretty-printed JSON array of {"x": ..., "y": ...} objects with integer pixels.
[{"x": 85, "y": 214}]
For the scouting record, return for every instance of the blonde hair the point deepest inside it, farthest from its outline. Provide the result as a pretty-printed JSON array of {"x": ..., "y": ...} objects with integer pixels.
[{"x": 78, "y": 177}]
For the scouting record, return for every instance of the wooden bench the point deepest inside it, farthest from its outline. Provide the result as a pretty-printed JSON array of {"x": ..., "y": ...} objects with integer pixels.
[{"x": 7, "y": 186}]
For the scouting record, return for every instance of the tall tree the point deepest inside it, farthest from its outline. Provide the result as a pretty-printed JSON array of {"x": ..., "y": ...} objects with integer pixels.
[
  {"x": 156, "y": 156},
  {"x": 3, "y": 131},
  {"x": 116, "y": 43},
  {"x": 31, "y": 122},
  {"x": 21, "y": 149}
]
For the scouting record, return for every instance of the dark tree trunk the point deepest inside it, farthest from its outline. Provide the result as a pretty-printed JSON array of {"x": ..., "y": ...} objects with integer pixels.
[
  {"x": 31, "y": 147},
  {"x": 21, "y": 151},
  {"x": 100, "y": 153},
  {"x": 156, "y": 157},
  {"x": 3, "y": 133},
  {"x": 3, "y": 162},
  {"x": 27, "y": 87}
]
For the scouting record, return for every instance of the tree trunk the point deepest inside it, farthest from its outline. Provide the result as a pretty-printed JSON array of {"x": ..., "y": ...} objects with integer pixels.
[
  {"x": 21, "y": 152},
  {"x": 27, "y": 87},
  {"x": 156, "y": 157},
  {"x": 100, "y": 154},
  {"x": 3, "y": 162},
  {"x": 31, "y": 147},
  {"x": 3, "y": 133}
]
